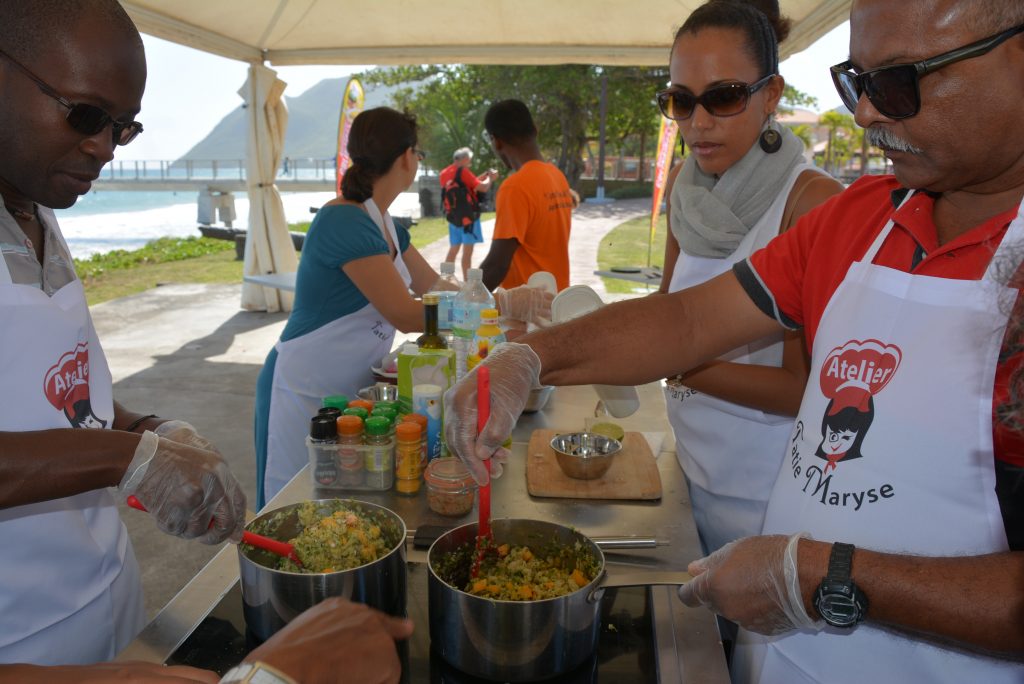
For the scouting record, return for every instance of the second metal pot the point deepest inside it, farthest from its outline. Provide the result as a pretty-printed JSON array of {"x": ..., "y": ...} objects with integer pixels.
[
  {"x": 521, "y": 641},
  {"x": 272, "y": 598}
]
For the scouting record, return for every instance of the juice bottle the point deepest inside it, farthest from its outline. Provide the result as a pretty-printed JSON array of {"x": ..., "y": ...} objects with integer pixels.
[{"x": 487, "y": 337}]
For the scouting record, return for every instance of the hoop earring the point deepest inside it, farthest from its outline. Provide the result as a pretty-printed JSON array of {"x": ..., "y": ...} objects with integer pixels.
[{"x": 770, "y": 141}]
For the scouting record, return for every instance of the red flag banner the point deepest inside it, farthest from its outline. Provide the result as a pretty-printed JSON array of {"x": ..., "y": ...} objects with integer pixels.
[
  {"x": 351, "y": 105},
  {"x": 666, "y": 146}
]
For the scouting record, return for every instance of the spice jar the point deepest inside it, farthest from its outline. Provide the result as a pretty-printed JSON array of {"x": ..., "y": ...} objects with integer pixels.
[
  {"x": 322, "y": 445},
  {"x": 389, "y": 413},
  {"x": 361, "y": 403},
  {"x": 338, "y": 401},
  {"x": 450, "y": 487},
  {"x": 350, "y": 457},
  {"x": 421, "y": 420},
  {"x": 393, "y": 405},
  {"x": 356, "y": 411},
  {"x": 379, "y": 459},
  {"x": 407, "y": 458}
]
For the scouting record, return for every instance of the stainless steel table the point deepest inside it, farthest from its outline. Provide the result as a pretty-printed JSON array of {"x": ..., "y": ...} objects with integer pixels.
[{"x": 688, "y": 647}]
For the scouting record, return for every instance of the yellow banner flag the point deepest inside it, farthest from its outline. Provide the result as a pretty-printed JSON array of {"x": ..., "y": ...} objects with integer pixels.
[
  {"x": 351, "y": 105},
  {"x": 666, "y": 146}
]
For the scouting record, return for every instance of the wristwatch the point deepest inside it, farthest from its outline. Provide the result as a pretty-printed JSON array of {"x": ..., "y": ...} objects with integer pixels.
[
  {"x": 256, "y": 672},
  {"x": 838, "y": 600}
]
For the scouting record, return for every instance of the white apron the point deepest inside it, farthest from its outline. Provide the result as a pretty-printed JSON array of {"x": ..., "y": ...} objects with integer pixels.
[
  {"x": 333, "y": 359},
  {"x": 730, "y": 453},
  {"x": 901, "y": 386},
  {"x": 69, "y": 582}
]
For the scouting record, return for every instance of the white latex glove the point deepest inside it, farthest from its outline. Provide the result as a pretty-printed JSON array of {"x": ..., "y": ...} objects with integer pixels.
[
  {"x": 183, "y": 433},
  {"x": 754, "y": 582},
  {"x": 528, "y": 304},
  {"x": 184, "y": 488},
  {"x": 515, "y": 369}
]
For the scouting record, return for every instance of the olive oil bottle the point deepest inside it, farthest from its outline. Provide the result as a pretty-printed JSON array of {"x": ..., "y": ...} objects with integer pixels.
[{"x": 430, "y": 339}]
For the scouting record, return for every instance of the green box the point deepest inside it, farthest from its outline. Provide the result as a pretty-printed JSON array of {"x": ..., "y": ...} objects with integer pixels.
[{"x": 426, "y": 367}]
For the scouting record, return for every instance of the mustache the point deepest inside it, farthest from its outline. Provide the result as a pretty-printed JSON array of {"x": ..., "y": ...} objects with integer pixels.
[{"x": 887, "y": 140}]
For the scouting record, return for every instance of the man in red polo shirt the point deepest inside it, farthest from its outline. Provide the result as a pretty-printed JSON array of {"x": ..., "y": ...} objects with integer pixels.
[{"x": 900, "y": 505}]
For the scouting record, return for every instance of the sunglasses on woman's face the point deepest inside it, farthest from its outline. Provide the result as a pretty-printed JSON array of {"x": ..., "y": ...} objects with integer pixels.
[
  {"x": 895, "y": 90},
  {"x": 86, "y": 119},
  {"x": 727, "y": 99}
]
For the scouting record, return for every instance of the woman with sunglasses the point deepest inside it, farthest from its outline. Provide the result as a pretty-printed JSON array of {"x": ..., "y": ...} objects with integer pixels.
[
  {"x": 352, "y": 292},
  {"x": 744, "y": 182}
]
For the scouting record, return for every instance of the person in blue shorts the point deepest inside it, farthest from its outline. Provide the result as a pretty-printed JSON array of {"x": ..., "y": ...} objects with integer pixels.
[{"x": 457, "y": 235}]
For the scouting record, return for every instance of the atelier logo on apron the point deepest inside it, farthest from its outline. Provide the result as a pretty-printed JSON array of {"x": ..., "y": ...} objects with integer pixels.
[
  {"x": 66, "y": 386},
  {"x": 851, "y": 375}
]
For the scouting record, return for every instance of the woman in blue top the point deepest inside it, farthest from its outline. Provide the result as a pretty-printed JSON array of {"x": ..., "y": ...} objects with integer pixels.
[{"x": 351, "y": 292}]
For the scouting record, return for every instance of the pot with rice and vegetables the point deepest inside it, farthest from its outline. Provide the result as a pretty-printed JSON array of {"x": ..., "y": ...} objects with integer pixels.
[
  {"x": 531, "y": 608},
  {"x": 347, "y": 548}
]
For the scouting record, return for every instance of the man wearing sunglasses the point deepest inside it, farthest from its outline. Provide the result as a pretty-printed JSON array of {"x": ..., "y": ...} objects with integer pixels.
[
  {"x": 893, "y": 544},
  {"x": 72, "y": 76}
]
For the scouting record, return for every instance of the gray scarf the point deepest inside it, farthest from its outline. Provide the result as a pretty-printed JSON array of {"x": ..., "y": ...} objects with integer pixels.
[{"x": 710, "y": 216}]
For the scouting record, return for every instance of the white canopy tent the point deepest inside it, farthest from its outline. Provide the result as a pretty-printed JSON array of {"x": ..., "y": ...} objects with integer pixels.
[{"x": 290, "y": 32}]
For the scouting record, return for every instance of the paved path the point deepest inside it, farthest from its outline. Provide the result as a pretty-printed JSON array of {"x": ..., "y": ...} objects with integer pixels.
[
  {"x": 190, "y": 352},
  {"x": 591, "y": 222}
]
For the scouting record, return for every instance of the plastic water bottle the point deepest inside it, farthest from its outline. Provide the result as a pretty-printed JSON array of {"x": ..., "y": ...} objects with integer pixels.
[
  {"x": 446, "y": 287},
  {"x": 466, "y": 308}
]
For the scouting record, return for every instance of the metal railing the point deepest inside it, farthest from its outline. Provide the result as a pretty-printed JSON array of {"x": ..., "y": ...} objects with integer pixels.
[{"x": 148, "y": 170}]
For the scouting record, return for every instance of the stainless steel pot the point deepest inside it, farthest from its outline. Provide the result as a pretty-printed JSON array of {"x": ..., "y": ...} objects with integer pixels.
[
  {"x": 521, "y": 641},
  {"x": 272, "y": 598}
]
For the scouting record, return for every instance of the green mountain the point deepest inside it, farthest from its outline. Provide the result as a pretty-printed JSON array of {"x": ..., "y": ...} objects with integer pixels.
[{"x": 312, "y": 124}]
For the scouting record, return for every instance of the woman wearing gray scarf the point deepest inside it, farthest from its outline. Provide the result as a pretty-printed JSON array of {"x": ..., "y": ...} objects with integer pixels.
[{"x": 744, "y": 182}]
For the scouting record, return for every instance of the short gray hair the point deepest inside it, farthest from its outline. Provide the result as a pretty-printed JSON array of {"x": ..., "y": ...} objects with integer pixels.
[
  {"x": 462, "y": 153},
  {"x": 990, "y": 16}
]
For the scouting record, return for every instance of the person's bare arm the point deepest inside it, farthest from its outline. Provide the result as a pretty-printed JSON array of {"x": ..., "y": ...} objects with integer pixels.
[
  {"x": 123, "y": 419},
  {"x": 484, "y": 183},
  {"x": 103, "y": 673},
  {"x": 43, "y": 465},
  {"x": 646, "y": 339},
  {"x": 671, "y": 246},
  {"x": 423, "y": 275},
  {"x": 496, "y": 264},
  {"x": 766, "y": 388},
  {"x": 377, "y": 279},
  {"x": 970, "y": 602}
]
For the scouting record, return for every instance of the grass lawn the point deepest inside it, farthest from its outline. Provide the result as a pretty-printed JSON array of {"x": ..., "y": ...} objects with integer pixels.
[
  {"x": 626, "y": 245},
  {"x": 193, "y": 260}
]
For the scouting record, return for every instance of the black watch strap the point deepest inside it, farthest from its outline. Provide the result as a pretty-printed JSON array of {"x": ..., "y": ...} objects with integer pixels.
[{"x": 840, "y": 562}]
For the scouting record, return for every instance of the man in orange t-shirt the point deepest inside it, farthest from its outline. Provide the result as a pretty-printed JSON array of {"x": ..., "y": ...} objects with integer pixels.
[{"x": 534, "y": 206}]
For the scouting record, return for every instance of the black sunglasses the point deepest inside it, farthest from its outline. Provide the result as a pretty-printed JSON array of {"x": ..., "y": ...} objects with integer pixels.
[
  {"x": 87, "y": 119},
  {"x": 728, "y": 99},
  {"x": 895, "y": 90}
]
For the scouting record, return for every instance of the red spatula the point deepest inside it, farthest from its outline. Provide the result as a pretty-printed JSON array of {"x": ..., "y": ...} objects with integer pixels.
[
  {"x": 485, "y": 538},
  {"x": 258, "y": 540}
]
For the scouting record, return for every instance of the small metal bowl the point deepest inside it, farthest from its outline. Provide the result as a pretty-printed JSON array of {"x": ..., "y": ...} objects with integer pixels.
[
  {"x": 538, "y": 398},
  {"x": 379, "y": 392},
  {"x": 584, "y": 455}
]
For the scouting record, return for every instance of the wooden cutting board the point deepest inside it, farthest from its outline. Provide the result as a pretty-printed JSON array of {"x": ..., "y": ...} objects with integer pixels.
[{"x": 632, "y": 475}]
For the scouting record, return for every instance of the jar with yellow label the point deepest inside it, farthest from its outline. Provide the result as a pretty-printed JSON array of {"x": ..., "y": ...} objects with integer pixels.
[{"x": 407, "y": 457}]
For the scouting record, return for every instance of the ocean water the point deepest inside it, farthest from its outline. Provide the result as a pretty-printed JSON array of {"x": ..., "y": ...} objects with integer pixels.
[{"x": 106, "y": 220}]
